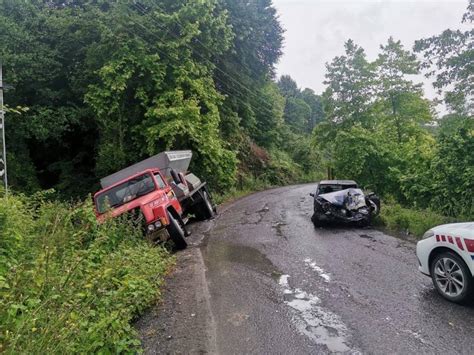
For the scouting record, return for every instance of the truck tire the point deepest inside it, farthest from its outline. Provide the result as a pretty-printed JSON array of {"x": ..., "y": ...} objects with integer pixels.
[
  {"x": 204, "y": 209},
  {"x": 176, "y": 233}
]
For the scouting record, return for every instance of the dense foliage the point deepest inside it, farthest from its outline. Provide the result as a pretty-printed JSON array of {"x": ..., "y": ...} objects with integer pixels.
[
  {"x": 100, "y": 85},
  {"x": 109, "y": 83},
  {"x": 95, "y": 85},
  {"x": 382, "y": 132},
  {"x": 68, "y": 285}
]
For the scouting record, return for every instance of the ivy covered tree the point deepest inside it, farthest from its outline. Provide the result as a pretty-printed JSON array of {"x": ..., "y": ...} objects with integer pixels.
[
  {"x": 246, "y": 68},
  {"x": 449, "y": 57},
  {"x": 402, "y": 101},
  {"x": 350, "y": 87}
]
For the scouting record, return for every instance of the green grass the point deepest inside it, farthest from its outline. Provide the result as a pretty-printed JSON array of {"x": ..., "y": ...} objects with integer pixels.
[
  {"x": 68, "y": 284},
  {"x": 410, "y": 221}
]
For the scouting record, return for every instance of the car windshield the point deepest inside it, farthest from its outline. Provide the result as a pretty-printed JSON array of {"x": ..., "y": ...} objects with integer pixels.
[
  {"x": 325, "y": 189},
  {"x": 124, "y": 192}
]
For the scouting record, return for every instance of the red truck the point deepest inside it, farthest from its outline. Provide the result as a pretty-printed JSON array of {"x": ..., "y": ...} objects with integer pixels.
[{"x": 159, "y": 193}]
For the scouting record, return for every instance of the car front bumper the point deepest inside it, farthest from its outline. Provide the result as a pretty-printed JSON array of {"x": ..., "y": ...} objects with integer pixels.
[{"x": 423, "y": 251}]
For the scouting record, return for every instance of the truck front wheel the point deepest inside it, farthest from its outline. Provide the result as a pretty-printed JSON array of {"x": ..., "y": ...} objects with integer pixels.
[{"x": 176, "y": 233}]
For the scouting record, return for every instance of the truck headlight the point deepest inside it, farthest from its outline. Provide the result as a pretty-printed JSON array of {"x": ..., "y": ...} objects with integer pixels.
[
  {"x": 157, "y": 224},
  {"x": 150, "y": 228},
  {"x": 428, "y": 234}
]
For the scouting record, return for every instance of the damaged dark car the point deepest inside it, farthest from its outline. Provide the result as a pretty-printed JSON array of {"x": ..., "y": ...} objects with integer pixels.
[{"x": 342, "y": 201}]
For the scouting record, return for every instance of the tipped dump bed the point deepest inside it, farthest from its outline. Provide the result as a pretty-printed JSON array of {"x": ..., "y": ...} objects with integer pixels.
[{"x": 176, "y": 159}]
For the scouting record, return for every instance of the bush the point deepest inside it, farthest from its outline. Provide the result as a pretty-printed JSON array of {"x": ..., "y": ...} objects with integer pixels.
[
  {"x": 68, "y": 284},
  {"x": 411, "y": 221}
]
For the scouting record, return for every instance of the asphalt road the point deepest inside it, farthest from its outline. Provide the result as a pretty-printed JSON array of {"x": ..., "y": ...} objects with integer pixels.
[{"x": 260, "y": 279}]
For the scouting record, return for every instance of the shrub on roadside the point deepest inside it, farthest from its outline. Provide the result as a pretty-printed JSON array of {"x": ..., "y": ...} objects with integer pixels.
[
  {"x": 410, "y": 221},
  {"x": 68, "y": 284}
]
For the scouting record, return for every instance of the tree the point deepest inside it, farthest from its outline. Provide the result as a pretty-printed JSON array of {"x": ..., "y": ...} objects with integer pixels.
[
  {"x": 449, "y": 56},
  {"x": 452, "y": 169},
  {"x": 297, "y": 114},
  {"x": 245, "y": 69},
  {"x": 401, "y": 100},
  {"x": 315, "y": 102},
  {"x": 108, "y": 84},
  {"x": 350, "y": 91},
  {"x": 269, "y": 124},
  {"x": 153, "y": 97},
  {"x": 288, "y": 86}
]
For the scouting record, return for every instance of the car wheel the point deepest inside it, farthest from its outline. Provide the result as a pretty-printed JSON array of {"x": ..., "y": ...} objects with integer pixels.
[
  {"x": 364, "y": 222},
  {"x": 176, "y": 233},
  {"x": 374, "y": 204},
  {"x": 316, "y": 221},
  {"x": 451, "y": 277}
]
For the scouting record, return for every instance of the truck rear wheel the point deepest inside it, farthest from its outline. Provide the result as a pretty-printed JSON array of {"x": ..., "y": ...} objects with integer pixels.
[
  {"x": 176, "y": 233},
  {"x": 204, "y": 209}
]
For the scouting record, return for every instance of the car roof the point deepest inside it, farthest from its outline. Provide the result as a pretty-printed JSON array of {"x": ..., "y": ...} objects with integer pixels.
[{"x": 337, "y": 182}]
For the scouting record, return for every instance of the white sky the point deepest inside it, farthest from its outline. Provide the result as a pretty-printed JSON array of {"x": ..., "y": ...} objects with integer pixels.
[{"x": 317, "y": 29}]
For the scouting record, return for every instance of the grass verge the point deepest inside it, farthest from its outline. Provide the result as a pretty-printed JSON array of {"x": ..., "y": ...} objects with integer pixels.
[
  {"x": 410, "y": 221},
  {"x": 68, "y": 284}
]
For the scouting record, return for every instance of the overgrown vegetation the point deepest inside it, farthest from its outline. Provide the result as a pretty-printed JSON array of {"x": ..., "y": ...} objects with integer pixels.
[
  {"x": 69, "y": 285},
  {"x": 410, "y": 221},
  {"x": 382, "y": 132},
  {"x": 106, "y": 84},
  {"x": 110, "y": 83},
  {"x": 94, "y": 86}
]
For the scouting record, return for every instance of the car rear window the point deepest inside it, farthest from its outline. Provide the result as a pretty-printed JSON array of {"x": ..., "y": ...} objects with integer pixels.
[{"x": 325, "y": 189}]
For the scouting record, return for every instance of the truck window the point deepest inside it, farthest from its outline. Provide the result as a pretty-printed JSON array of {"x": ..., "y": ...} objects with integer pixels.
[
  {"x": 159, "y": 180},
  {"x": 125, "y": 192}
]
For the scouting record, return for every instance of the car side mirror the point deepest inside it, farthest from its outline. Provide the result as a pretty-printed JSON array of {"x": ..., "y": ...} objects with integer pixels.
[{"x": 311, "y": 194}]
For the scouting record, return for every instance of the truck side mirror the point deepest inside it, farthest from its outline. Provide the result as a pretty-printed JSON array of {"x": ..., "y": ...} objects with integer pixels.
[{"x": 311, "y": 194}]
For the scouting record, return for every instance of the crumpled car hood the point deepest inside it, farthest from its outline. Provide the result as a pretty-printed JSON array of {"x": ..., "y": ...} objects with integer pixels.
[{"x": 339, "y": 198}]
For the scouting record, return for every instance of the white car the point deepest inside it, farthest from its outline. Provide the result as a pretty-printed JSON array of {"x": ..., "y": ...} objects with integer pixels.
[{"x": 446, "y": 253}]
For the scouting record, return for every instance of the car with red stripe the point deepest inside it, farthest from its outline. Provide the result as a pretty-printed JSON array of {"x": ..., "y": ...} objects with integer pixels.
[{"x": 446, "y": 254}]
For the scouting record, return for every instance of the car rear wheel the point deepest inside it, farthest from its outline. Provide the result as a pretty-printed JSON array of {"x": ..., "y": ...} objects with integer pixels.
[
  {"x": 451, "y": 277},
  {"x": 176, "y": 233}
]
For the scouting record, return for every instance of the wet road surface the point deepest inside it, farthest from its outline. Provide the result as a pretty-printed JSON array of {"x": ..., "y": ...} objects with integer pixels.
[{"x": 261, "y": 279}]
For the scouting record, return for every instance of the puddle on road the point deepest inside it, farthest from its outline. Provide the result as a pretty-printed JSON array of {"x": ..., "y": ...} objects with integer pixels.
[
  {"x": 325, "y": 276},
  {"x": 237, "y": 253},
  {"x": 320, "y": 325}
]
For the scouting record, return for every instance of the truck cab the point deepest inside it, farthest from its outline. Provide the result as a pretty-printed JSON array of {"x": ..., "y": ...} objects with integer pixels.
[{"x": 157, "y": 194}]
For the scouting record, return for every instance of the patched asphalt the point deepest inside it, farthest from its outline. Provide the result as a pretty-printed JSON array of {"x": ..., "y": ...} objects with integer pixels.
[{"x": 261, "y": 279}]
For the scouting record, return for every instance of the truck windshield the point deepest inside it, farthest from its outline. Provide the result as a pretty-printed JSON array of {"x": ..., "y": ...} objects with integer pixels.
[{"x": 125, "y": 192}]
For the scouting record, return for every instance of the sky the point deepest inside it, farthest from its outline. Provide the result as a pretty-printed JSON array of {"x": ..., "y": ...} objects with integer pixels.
[{"x": 315, "y": 31}]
